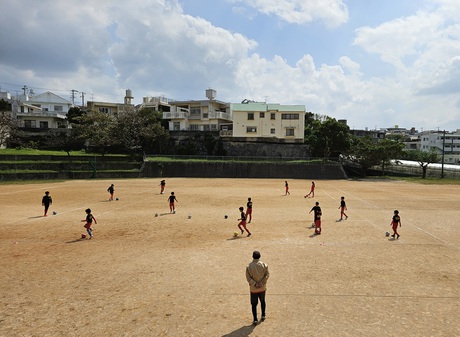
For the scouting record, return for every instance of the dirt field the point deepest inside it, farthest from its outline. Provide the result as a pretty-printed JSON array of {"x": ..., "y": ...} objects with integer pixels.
[{"x": 169, "y": 275}]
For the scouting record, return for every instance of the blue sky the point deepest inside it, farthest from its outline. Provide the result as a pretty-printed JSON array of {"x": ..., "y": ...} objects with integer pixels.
[{"x": 376, "y": 64}]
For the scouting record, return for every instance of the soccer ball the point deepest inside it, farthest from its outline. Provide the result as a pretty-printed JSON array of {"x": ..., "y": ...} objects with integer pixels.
[
  {"x": 235, "y": 234},
  {"x": 156, "y": 214},
  {"x": 225, "y": 216},
  {"x": 117, "y": 199},
  {"x": 387, "y": 234},
  {"x": 189, "y": 216},
  {"x": 54, "y": 213},
  {"x": 83, "y": 236}
]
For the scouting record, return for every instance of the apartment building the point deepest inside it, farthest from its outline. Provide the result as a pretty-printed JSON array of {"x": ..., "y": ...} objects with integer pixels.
[
  {"x": 37, "y": 114},
  {"x": 442, "y": 142},
  {"x": 268, "y": 122},
  {"x": 198, "y": 115},
  {"x": 113, "y": 109}
]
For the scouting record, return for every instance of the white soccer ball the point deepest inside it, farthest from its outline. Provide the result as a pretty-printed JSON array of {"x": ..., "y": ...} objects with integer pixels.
[{"x": 235, "y": 234}]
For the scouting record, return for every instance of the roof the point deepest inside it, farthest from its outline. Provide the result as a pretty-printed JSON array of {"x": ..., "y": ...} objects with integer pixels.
[{"x": 261, "y": 106}]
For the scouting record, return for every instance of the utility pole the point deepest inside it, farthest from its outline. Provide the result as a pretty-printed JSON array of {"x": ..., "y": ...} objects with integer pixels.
[
  {"x": 24, "y": 88},
  {"x": 72, "y": 95},
  {"x": 443, "y": 144},
  {"x": 83, "y": 98}
]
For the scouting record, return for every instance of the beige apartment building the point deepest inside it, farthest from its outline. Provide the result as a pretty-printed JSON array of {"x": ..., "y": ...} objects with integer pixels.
[{"x": 268, "y": 122}]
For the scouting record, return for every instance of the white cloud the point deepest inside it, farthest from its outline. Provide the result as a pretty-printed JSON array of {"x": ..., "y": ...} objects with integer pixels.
[
  {"x": 332, "y": 13},
  {"x": 154, "y": 47}
]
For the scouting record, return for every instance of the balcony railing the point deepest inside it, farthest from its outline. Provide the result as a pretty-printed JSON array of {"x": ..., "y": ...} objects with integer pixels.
[{"x": 175, "y": 115}]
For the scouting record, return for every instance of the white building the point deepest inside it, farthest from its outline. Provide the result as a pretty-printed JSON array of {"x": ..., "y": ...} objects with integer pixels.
[
  {"x": 268, "y": 122},
  {"x": 40, "y": 113},
  {"x": 439, "y": 141},
  {"x": 158, "y": 103},
  {"x": 198, "y": 115}
]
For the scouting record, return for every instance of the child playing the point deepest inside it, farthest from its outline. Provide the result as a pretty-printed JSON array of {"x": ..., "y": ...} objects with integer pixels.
[
  {"x": 312, "y": 190},
  {"x": 394, "y": 223},
  {"x": 171, "y": 199},
  {"x": 111, "y": 189},
  {"x": 286, "y": 185},
  {"x": 46, "y": 202},
  {"x": 343, "y": 208},
  {"x": 317, "y": 215},
  {"x": 162, "y": 186},
  {"x": 242, "y": 221},
  {"x": 249, "y": 210},
  {"x": 89, "y": 222}
]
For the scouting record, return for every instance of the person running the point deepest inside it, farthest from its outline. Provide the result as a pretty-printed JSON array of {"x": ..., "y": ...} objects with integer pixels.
[
  {"x": 162, "y": 186},
  {"x": 172, "y": 207},
  {"x": 317, "y": 215},
  {"x": 249, "y": 210},
  {"x": 111, "y": 189},
  {"x": 343, "y": 208},
  {"x": 257, "y": 275},
  {"x": 89, "y": 222},
  {"x": 394, "y": 224},
  {"x": 46, "y": 202},
  {"x": 312, "y": 191},
  {"x": 286, "y": 185},
  {"x": 242, "y": 222}
]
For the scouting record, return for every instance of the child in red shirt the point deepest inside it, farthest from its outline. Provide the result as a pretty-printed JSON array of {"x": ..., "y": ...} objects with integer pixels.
[
  {"x": 394, "y": 224},
  {"x": 242, "y": 221}
]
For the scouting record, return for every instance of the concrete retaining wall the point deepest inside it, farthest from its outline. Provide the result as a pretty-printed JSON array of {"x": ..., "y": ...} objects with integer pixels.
[{"x": 243, "y": 170}]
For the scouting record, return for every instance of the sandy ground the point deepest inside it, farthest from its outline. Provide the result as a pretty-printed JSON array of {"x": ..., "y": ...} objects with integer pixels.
[{"x": 173, "y": 275}]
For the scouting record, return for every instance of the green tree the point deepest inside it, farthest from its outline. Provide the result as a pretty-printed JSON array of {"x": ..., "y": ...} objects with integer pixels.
[
  {"x": 73, "y": 114},
  {"x": 389, "y": 149},
  {"x": 365, "y": 152},
  {"x": 327, "y": 137},
  {"x": 97, "y": 130},
  {"x": 422, "y": 157},
  {"x": 7, "y": 125},
  {"x": 140, "y": 131},
  {"x": 368, "y": 152}
]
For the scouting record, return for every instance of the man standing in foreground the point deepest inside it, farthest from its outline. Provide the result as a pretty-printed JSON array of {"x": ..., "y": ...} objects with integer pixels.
[{"x": 257, "y": 275}]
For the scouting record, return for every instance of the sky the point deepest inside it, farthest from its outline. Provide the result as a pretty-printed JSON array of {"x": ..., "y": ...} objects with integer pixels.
[{"x": 376, "y": 64}]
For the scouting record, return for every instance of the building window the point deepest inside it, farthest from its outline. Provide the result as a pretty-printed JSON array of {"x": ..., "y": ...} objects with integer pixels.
[
  {"x": 176, "y": 126},
  {"x": 262, "y": 115},
  {"x": 251, "y": 129},
  {"x": 105, "y": 110},
  {"x": 272, "y": 116},
  {"x": 214, "y": 127},
  {"x": 30, "y": 124},
  {"x": 195, "y": 127},
  {"x": 289, "y": 116},
  {"x": 195, "y": 111},
  {"x": 272, "y": 131},
  {"x": 43, "y": 125},
  {"x": 250, "y": 116},
  {"x": 290, "y": 132},
  {"x": 58, "y": 108}
]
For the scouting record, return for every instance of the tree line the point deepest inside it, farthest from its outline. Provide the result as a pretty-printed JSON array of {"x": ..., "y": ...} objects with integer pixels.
[{"x": 145, "y": 131}]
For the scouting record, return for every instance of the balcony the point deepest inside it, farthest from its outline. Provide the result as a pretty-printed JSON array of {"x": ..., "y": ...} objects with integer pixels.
[
  {"x": 175, "y": 115},
  {"x": 219, "y": 115},
  {"x": 53, "y": 114}
]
